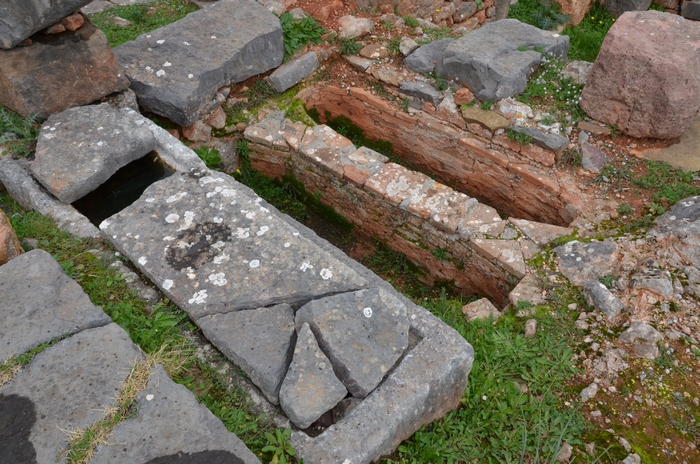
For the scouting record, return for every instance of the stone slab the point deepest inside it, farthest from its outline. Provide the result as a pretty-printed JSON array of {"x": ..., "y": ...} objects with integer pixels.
[
  {"x": 179, "y": 429},
  {"x": 598, "y": 296},
  {"x": 27, "y": 192},
  {"x": 425, "y": 58},
  {"x": 489, "y": 61},
  {"x": 40, "y": 303},
  {"x": 363, "y": 333},
  {"x": 310, "y": 387},
  {"x": 540, "y": 233},
  {"x": 213, "y": 247},
  {"x": 290, "y": 73},
  {"x": 421, "y": 91},
  {"x": 20, "y": 19},
  {"x": 554, "y": 142},
  {"x": 59, "y": 71},
  {"x": 682, "y": 155},
  {"x": 582, "y": 262},
  {"x": 176, "y": 70},
  {"x": 68, "y": 387},
  {"x": 260, "y": 341},
  {"x": 80, "y": 148}
]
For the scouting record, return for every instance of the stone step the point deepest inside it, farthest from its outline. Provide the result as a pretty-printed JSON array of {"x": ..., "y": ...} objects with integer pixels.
[{"x": 176, "y": 70}]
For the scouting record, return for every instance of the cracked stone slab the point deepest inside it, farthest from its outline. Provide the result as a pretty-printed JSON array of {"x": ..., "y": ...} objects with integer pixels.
[
  {"x": 260, "y": 341},
  {"x": 176, "y": 70},
  {"x": 69, "y": 385},
  {"x": 363, "y": 333},
  {"x": 396, "y": 184},
  {"x": 310, "y": 387},
  {"x": 40, "y": 303},
  {"x": 582, "y": 262},
  {"x": 213, "y": 247},
  {"x": 80, "y": 148},
  {"x": 538, "y": 232},
  {"x": 506, "y": 252},
  {"x": 179, "y": 430},
  {"x": 325, "y": 147}
]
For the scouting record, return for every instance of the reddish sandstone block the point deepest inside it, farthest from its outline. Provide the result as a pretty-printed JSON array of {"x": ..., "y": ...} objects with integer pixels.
[{"x": 354, "y": 175}]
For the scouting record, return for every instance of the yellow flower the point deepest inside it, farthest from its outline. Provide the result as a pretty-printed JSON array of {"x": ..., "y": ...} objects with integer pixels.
[
  {"x": 601, "y": 22},
  {"x": 592, "y": 17}
]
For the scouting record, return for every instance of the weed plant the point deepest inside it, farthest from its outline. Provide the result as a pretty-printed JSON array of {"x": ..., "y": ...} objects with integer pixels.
[
  {"x": 143, "y": 18},
  {"x": 520, "y": 137},
  {"x": 587, "y": 37},
  {"x": 411, "y": 21},
  {"x": 544, "y": 14},
  {"x": 17, "y": 134},
  {"x": 298, "y": 33},
  {"x": 348, "y": 46},
  {"x": 210, "y": 156}
]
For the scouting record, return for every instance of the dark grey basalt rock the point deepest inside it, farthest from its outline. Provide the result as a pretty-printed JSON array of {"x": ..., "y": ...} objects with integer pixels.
[{"x": 21, "y": 18}]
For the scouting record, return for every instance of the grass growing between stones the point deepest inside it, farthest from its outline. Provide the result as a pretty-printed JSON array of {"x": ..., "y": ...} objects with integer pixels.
[
  {"x": 143, "y": 17},
  {"x": 298, "y": 33},
  {"x": 543, "y": 14},
  {"x": 10, "y": 368},
  {"x": 164, "y": 334},
  {"x": 17, "y": 134},
  {"x": 587, "y": 37}
]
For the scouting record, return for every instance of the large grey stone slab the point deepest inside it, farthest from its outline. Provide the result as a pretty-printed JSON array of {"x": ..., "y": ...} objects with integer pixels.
[
  {"x": 80, "y": 148},
  {"x": 310, "y": 387},
  {"x": 179, "y": 430},
  {"x": 290, "y": 73},
  {"x": 363, "y": 333},
  {"x": 40, "y": 303},
  {"x": 176, "y": 70},
  {"x": 260, "y": 341},
  {"x": 21, "y": 18},
  {"x": 489, "y": 61},
  {"x": 420, "y": 90},
  {"x": 554, "y": 142},
  {"x": 583, "y": 262},
  {"x": 68, "y": 387},
  {"x": 26, "y": 191},
  {"x": 425, "y": 58},
  {"x": 213, "y": 247}
]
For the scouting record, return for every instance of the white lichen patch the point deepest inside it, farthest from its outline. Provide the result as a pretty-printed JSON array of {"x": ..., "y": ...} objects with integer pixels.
[
  {"x": 176, "y": 197},
  {"x": 242, "y": 232},
  {"x": 166, "y": 64},
  {"x": 219, "y": 244},
  {"x": 305, "y": 265},
  {"x": 167, "y": 284},
  {"x": 160, "y": 73},
  {"x": 168, "y": 238},
  {"x": 218, "y": 279},
  {"x": 189, "y": 220},
  {"x": 221, "y": 258},
  {"x": 367, "y": 312},
  {"x": 262, "y": 231},
  {"x": 228, "y": 193},
  {"x": 104, "y": 224},
  {"x": 143, "y": 260},
  {"x": 218, "y": 220},
  {"x": 209, "y": 179},
  {"x": 287, "y": 244},
  {"x": 198, "y": 297},
  {"x": 172, "y": 218},
  {"x": 254, "y": 263},
  {"x": 326, "y": 274}
]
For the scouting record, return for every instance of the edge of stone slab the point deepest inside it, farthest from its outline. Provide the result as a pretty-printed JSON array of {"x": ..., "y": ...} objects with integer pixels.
[
  {"x": 440, "y": 390},
  {"x": 30, "y": 195}
]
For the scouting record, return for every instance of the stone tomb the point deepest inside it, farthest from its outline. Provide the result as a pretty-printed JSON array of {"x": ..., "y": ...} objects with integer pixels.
[{"x": 304, "y": 321}]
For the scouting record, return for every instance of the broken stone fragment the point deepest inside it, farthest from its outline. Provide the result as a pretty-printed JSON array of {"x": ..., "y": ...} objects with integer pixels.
[
  {"x": 582, "y": 262},
  {"x": 480, "y": 309},
  {"x": 310, "y": 387},
  {"x": 598, "y": 296},
  {"x": 9, "y": 243},
  {"x": 363, "y": 334},
  {"x": 350, "y": 27},
  {"x": 643, "y": 338}
]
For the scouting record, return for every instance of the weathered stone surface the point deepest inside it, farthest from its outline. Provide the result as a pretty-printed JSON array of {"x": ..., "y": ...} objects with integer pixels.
[
  {"x": 177, "y": 69},
  {"x": 363, "y": 333},
  {"x": 592, "y": 158},
  {"x": 464, "y": 10},
  {"x": 528, "y": 290},
  {"x": 396, "y": 184},
  {"x": 578, "y": 71},
  {"x": 618, "y": 7},
  {"x": 310, "y": 388},
  {"x": 664, "y": 99},
  {"x": 424, "y": 59},
  {"x": 57, "y": 72},
  {"x": 40, "y": 303},
  {"x": 488, "y": 119},
  {"x": 177, "y": 426},
  {"x": 24, "y": 18},
  {"x": 290, "y": 73},
  {"x": 9, "y": 243},
  {"x": 691, "y": 9},
  {"x": 97, "y": 6},
  {"x": 359, "y": 63},
  {"x": 480, "y": 309},
  {"x": 386, "y": 73},
  {"x": 350, "y": 27},
  {"x": 598, "y": 296},
  {"x": 540, "y": 233},
  {"x": 27, "y": 192},
  {"x": 506, "y": 252},
  {"x": 577, "y": 9},
  {"x": 420, "y": 90},
  {"x": 489, "y": 62},
  {"x": 325, "y": 147},
  {"x": 530, "y": 328},
  {"x": 589, "y": 392},
  {"x": 553, "y": 142},
  {"x": 375, "y": 51},
  {"x": 643, "y": 339},
  {"x": 70, "y": 384},
  {"x": 407, "y": 46},
  {"x": 582, "y": 262},
  {"x": 80, "y": 148},
  {"x": 682, "y": 213},
  {"x": 661, "y": 286},
  {"x": 260, "y": 341},
  {"x": 213, "y": 246}
]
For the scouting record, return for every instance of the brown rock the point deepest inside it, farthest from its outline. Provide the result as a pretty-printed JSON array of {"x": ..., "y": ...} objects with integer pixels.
[
  {"x": 464, "y": 96},
  {"x": 324, "y": 12},
  {"x": 480, "y": 309},
  {"x": 73, "y": 22},
  {"x": 375, "y": 51},
  {"x": 641, "y": 85},
  {"x": 480, "y": 16},
  {"x": 217, "y": 118},
  {"x": 197, "y": 132},
  {"x": 9, "y": 244},
  {"x": 354, "y": 175},
  {"x": 59, "y": 72},
  {"x": 488, "y": 119},
  {"x": 575, "y": 8},
  {"x": 55, "y": 29},
  {"x": 593, "y": 128}
]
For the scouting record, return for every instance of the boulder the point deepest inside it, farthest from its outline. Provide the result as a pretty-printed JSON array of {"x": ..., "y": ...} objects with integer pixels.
[
  {"x": 310, "y": 387},
  {"x": 81, "y": 148},
  {"x": 577, "y": 9},
  {"x": 58, "y": 72},
  {"x": 20, "y": 19},
  {"x": 641, "y": 85},
  {"x": 492, "y": 62},
  {"x": 176, "y": 70},
  {"x": 618, "y": 7},
  {"x": 9, "y": 243},
  {"x": 290, "y": 73},
  {"x": 350, "y": 27},
  {"x": 424, "y": 59}
]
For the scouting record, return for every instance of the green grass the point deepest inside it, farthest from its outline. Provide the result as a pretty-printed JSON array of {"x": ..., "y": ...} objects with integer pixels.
[
  {"x": 144, "y": 18},
  {"x": 411, "y": 21},
  {"x": 348, "y": 46},
  {"x": 210, "y": 156},
  {"x": 298, "y": 33},
  {"x": 544, "y": 14},
  {"x": 18, "y": 134},
  {"x": 520, "y": 137},
  {"x": 669, "y": 183},
  {"x": 587, "y": 36}
]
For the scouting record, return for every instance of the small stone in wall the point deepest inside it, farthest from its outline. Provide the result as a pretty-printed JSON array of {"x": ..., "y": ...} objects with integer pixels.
[
  {"x": 530, "y": 328},
  {"x": 73, "y": 22},
  {"x": 375, "y": 51},
  {"x": 480, "y": 309},
  {"x": 407, "y": 46}
]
